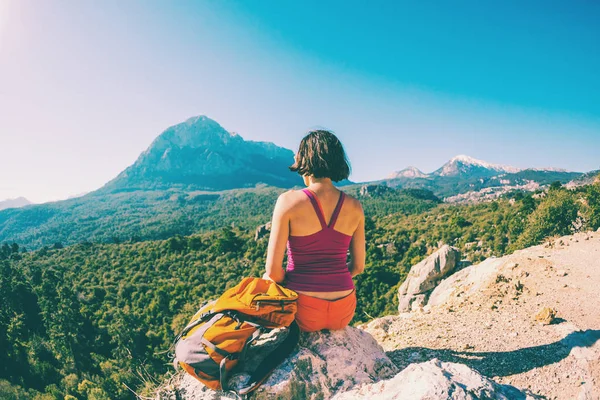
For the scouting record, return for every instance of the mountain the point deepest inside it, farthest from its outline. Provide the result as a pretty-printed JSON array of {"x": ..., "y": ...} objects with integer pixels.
[
  {"x": 467, "y": 179},
  {"x": 199, "y": 154},
  {"x": 410, "y": 172},
  {"x": 465, "y": 165},
  {"x": 14, "y": 203},
  {"x": 194, "y": 176},
  {"x": 586, "y": 179}
]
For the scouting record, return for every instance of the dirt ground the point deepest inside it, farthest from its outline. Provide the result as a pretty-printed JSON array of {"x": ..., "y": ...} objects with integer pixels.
[{"x": 494, "y": 330}]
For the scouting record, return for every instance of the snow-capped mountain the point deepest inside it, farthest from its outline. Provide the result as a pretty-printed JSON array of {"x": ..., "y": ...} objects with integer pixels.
[
  {"x": 464, "y": 174},
  {"x": 410, "y": 172},
  {"x": 461, "y": 165},
  {"x": 200, "y": 154}
]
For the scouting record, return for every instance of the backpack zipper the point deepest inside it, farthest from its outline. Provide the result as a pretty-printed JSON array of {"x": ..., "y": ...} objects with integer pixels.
[{"x": 282, "y": 303}]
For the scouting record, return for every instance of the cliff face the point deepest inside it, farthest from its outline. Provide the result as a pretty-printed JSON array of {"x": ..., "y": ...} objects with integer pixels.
[{"x": 524, "y": 326}]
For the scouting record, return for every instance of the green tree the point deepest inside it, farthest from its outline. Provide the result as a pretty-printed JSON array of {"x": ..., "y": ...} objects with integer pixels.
[
  {"x": 592, "y": 197},
  {"x": 554, "y": 216}
]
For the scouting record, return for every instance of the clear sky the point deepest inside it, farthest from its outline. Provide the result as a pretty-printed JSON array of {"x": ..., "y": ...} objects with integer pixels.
[{"x": 85, "y": 86}]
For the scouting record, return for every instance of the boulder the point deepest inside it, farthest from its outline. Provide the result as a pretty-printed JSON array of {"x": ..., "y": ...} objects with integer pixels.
[
  {"x": 262, "y": 231},
  {"x": 435, "y": 380},
  {"x": 466, "y": 281},
  {"x": 425, "y": 276},
  {"x": 370, "y": 190},
  {"x": 546, "y": 316},
  {"x": 323, "y": 364}
]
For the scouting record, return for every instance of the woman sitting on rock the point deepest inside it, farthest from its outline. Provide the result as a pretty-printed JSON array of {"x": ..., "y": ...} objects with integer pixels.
[{"x": 318, "y": 225}]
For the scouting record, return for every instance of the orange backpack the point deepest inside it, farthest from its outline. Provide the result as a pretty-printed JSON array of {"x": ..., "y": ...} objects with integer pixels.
[{"x": 216, "y": 338}]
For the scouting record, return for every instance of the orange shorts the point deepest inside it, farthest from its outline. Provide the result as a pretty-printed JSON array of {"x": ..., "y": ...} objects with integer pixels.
[{"x": 315, "y": 314}]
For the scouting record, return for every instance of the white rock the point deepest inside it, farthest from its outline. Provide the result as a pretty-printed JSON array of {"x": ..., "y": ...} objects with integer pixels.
[
  {"x": 468, "y": 280},
  {"x": 424, "y": 276},
  {"x": 323, "y": 364},
  {"x": 434, "y": 380}
]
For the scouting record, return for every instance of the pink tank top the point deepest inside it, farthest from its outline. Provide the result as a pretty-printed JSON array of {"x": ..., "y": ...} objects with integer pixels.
[{"x": 317, "y": 262}]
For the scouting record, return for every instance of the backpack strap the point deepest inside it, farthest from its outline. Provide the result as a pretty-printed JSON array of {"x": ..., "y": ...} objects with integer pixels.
[{"x": 276, "y": 357}]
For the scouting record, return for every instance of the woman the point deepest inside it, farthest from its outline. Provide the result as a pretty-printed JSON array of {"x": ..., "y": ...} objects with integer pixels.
[{"x": 318, "y": 225}]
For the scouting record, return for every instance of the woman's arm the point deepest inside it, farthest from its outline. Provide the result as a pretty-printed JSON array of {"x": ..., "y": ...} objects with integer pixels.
[
  {"x": 280, "y": 229},
  {"x": 357, "y": 247}
]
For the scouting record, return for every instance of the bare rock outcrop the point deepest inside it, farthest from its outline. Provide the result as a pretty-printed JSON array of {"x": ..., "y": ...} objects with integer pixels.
[
  {"x": 373, "y": 190},
  {"x": 349, "y": 364},
  {"x": 488, "y": 318},
  {"x": 262, "y": 231},
  {"x": 477, "y": 338},
  {"x": 324, "y": 363},
  {"x": 425, "y": 276},
  {"x": 467, "y": 281},
  {"x": 437, "y": 380}
]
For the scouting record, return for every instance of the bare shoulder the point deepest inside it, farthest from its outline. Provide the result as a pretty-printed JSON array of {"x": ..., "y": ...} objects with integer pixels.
[
  {"x": 289, "y": 199},
  {"x": 353, "y": 203}
]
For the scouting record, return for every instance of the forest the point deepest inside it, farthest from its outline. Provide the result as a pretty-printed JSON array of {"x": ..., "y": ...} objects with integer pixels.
[{"x": 94, "y": 317}]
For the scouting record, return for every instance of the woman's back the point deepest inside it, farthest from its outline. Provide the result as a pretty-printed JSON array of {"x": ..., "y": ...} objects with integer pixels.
[
  {"x": 304, "y": 220},
  {"x": 320, "y": 235}
]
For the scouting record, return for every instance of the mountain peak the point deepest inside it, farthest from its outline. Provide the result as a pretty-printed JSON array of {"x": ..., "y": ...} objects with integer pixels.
[
  {"x": 463, "y": 163},
  {"x": 199, "y": 153},
  {"x": 409, "y": 172},
  {"x": 194, "y": 132},
  {"x": 194, "y": 119},
  {"x": 467, "y": 159},
  {"x": 14, "y": 203}
]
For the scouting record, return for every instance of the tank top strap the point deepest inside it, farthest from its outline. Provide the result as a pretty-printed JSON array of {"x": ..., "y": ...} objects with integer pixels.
[
  {"x": 337, "y": 209},
  {"x": 317, "y": 206}
]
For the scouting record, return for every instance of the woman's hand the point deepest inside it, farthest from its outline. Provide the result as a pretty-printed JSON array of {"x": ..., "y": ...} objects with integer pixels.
[{"x": 280, "y": 230}]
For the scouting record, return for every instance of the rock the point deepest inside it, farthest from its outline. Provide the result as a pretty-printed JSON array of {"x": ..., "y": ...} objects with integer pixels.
[
  {"x": 435, "y": 380},
  {"x": 466, "y": 281},
  {"x": 262, "y": 231},
  {"x": 390, "y": 249},
  {"x": 369, "y": 190},
  {"x": 546, "y": 315},
  {"x": 418, "y": 302},
  {"x": 424, "y": 277},
  {"x": 323, "y": 364}
]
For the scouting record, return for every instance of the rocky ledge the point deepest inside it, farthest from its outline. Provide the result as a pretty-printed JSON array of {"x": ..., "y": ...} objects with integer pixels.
[{"x": 524, "y": 326}]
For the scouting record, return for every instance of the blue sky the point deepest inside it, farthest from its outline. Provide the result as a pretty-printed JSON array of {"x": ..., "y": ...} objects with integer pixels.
[{"x": 86, "y": 86}]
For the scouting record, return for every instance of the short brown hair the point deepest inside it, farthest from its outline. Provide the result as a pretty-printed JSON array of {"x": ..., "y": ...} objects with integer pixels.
[{"x": 322, "y": 155}]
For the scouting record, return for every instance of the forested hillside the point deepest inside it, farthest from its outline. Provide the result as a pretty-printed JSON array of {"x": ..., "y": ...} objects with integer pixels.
[
  {"x": 152, "y": 215},
  {"x": 91, "y": 319}
]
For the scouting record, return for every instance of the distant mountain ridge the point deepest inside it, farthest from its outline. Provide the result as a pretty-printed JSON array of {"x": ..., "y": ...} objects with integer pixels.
[
  {"x": 466, "y": 165},
  {"x": 14, "y": 203},
  {"x": 585, "y": 179},
  {"x": 199, "y": 154},
  {"x": 465, "y": 178}
]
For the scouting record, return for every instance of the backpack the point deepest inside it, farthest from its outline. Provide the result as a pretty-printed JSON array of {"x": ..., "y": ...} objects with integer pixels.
[{"x": 219, "y": 334}]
